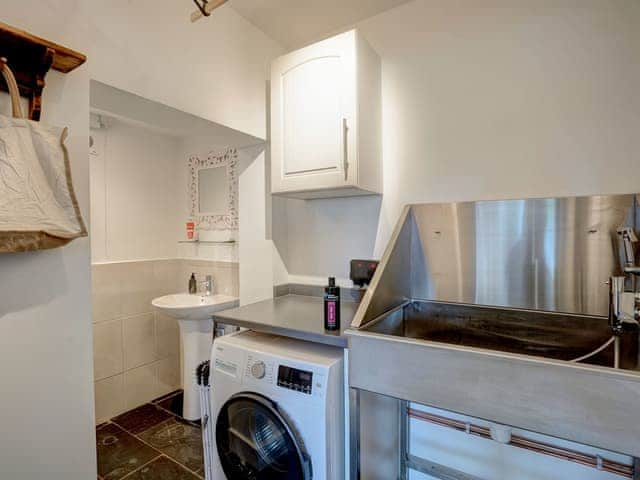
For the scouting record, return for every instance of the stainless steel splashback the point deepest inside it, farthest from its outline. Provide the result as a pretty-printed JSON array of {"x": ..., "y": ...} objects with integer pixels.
[{"x": 550, "y": 254}]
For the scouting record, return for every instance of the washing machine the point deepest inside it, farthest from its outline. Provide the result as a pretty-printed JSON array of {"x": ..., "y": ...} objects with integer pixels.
[{"x": 278, "y": 409}]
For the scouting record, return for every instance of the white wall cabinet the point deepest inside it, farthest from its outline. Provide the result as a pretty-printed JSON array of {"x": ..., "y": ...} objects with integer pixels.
[{"x": 326, "y": 120}]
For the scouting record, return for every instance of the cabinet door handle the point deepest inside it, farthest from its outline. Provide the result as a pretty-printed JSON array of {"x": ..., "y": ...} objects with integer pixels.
[{"x": 345, "y": 146}]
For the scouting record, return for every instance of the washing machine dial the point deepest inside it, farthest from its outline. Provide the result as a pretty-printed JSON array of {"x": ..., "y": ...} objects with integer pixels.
[{"x": 258, "y": 370}]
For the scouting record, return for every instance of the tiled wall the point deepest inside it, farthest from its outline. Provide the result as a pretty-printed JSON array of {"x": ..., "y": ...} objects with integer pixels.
[{"x": 137, "y": 350}]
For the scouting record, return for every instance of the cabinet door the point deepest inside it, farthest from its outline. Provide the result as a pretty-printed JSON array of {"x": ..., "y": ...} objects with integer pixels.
[{"x": 313, "y": 117}]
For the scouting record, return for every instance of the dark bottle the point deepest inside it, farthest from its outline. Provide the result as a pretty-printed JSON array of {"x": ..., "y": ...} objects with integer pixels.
[
  {"x": 193, "y": 285},
  {"x": 332, "y": 306}
]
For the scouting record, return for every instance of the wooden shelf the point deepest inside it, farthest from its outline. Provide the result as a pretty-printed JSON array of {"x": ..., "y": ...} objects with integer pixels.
[
  {"x": 30, "y": 58},
  {"x": 13, "y": 39}
]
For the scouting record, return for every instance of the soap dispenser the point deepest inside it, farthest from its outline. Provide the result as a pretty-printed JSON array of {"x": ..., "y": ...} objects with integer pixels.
[{"x": 193, "y": 285}]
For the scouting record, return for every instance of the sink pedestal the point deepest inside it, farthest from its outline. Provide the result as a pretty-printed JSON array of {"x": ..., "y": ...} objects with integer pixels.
[
  {"x": 193, "y": 313},
  {"x": 196, "y": 337}
]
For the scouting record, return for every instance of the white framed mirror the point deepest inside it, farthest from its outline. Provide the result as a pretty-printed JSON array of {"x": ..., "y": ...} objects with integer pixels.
[
  {"x": 213, "y": 191},
  {"x": 213, "y": 187}
]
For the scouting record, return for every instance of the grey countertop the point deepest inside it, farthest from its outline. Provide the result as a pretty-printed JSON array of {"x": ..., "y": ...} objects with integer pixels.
[{"x": 290, "y": 315}]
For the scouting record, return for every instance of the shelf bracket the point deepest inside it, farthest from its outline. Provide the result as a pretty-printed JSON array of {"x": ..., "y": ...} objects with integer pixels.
[{"x": 30, "y": 58}]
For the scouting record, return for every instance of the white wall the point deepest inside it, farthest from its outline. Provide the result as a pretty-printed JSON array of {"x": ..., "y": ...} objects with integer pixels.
[
  {"x": 488, "y": 101},
  {"x": 45, "y": 320},
  {"x": 137, "y": 191},
  {"x": 215, "y": 68},
  {"x": 260, "y": 263}
]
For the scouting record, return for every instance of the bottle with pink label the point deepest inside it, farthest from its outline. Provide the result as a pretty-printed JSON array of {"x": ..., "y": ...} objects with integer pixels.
[{"x": 332, "y": 306}]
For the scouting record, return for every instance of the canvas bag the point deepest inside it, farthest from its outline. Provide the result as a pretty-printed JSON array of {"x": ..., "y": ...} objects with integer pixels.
[{"x": 38, "y": 207}]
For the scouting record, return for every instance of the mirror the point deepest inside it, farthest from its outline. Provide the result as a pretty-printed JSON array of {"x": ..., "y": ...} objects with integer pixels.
[
  {"x": 213, "y": 191},
  {"x": 213, "y": 186}
]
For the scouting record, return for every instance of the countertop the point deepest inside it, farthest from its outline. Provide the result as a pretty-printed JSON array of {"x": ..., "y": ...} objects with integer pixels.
[{"x": 291, "y": 315}]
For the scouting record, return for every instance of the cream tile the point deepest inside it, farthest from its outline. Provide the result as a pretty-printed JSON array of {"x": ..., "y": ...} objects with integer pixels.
[
  {"x": 222, "y": 280},
  {"x": 167, "y": 336},
  {"x": 169, "y": 374},
  {"x": 110, "y": 398},
  {"x": 139, "y": 340},
  {"x": 140, "y": 385},
  {"x": 168, "y": 277},
  {"x": 106, "y": 292},
  {"x": 107, "y": 349},
  {"x": 225, "y": 274},
  {"x": 185, "y": 273},
  {"x": 235, "y": 281},
  {"x": 138, "y": 287},
  {"x": 201, "y": 276}
]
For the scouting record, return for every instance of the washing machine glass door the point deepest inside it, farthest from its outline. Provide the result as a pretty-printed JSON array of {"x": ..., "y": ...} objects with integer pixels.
[{"x": 255, "y": 442}]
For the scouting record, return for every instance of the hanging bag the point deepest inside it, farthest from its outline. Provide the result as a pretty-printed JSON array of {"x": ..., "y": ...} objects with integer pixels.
[{"x": 38, "y": 207}]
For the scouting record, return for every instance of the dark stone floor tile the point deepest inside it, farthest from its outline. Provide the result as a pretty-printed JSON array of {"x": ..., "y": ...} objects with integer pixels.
[
  {"x": 172, "y": 402},
  {"x": 141, "y": 418},
  {"x": 120, "y": 453},
  {"x": 167, "y": 395},
  {"x": 179, "y": 440},
  {"x": 163, "y": 469}
]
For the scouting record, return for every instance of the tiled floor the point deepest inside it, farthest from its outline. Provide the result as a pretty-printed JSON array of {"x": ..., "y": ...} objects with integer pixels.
[{"x": 150, "y": 442}]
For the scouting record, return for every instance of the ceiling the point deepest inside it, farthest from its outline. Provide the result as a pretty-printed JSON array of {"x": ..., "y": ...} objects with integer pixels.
[{"x": 294, "y": 23}]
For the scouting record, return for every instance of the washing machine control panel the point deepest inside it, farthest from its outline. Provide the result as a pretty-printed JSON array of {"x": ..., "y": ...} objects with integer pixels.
[
  {"x": 304, "y": 380},
  {"x": 259, "y": 369},
  {"x": 295, "y": 379}
]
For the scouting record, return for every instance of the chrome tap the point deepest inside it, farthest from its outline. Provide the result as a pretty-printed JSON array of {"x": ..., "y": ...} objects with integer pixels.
[
  {"x": 208, "y": 285},
  {"x": 619, "y": 318},
  {"x": 624, "y": 304},
  {"x": 629, "y": 237}
]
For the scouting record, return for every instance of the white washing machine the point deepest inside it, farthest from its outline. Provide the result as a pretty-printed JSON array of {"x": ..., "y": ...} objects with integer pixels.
[{"x": 278, "y": 409}]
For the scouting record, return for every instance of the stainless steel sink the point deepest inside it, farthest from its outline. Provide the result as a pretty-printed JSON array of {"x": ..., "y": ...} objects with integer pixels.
[
  {"x": 542, "y": 334},
  {"x": 482, "y": 308}
]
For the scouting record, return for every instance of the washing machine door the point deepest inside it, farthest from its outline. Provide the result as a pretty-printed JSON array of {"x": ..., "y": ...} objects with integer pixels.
[{"x": 255, "y": 442}]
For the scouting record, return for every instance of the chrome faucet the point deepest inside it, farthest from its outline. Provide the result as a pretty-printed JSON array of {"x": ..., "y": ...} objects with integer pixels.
[
  {"x": 624, "y": 305},
  {"x": 629, "y": 237},
  {"x": 208, "y": 285}
]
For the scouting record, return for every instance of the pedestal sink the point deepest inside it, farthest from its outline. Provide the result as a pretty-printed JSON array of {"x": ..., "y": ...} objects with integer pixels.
[{"x": 196, "y": 332}]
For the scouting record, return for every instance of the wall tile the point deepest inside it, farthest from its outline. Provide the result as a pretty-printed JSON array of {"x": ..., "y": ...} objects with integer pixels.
[
  {"x": 169, "y": 374},
  {"x": 107, "y": 349},
  {"x": 110, "y": 398},
  {"x": 131, "y": 336},
  {"x": 106, "y": 292},
  {"x": 211, "y": 252},
  {"x": 235, "y": 282},
  {"x": 227, "y": 279},
  {"x": 225, "y": 274},
  {"x": 138, "y": 287},
  {"x": 139, "y": 340},
  {"x": 140, "y": 385},
  {"x": 168, "y": 277},
  {"x": 167, "y": 336}
]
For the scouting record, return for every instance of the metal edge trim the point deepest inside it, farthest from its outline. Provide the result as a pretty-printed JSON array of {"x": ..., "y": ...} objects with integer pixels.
[
  {"x": 618, "y": 374},
  {"x": 358, "y": 318}
]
